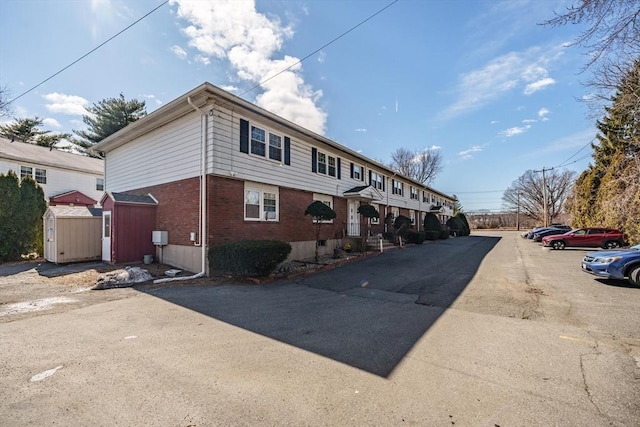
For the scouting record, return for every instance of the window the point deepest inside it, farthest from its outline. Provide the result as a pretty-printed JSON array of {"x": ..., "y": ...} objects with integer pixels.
[
  {"x": 275, "y": 147},
  {"x": 322, "y": 163},
  {"x": 257, "y": 141},
  {"x": 356, "y": 172},
  {"x": 26, "y": 171},
  {"x": 332, "y": 166},
  {"x": 414, "y": 193},
  {"x": 327, "y": 200},
  {"x": 376, "y": 180},
  {"x": 376, "y": 220},
  {"x": 100, "y": 184},
  {"x": 41, "y": 176},
  {"x": 395, "y": 212},
  {"x": 412, "y": 216},
  {"x": 397, "y": 187},
  {"x": 260, "y": 202}
]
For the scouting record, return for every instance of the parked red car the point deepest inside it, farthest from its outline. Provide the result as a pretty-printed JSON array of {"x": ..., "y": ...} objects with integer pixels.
[{"x": 607, "y": 238}]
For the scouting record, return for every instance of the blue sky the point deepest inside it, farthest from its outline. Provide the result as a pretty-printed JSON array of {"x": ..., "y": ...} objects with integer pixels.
[{"x": 480, "y": 81}]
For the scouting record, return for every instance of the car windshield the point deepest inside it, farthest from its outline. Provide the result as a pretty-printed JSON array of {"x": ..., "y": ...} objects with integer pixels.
[{"x": 635, "y": 247}]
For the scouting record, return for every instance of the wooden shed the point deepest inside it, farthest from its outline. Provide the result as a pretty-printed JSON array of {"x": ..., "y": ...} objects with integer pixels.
[
  {"x": 127, "y": 224},
  {"x": 72, "y": 234}
]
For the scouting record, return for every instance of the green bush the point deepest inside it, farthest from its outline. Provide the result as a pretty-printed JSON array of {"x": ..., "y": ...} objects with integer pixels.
[
  {"x": 456, "y": 226},
  {"x": 416, "y": 237},
  {"x": 431, "y": 223},
  {"x": 432, "y": 235},
  {"x": 248, "y": 257},
  {"x": 444, "y": 234},
  {"x": 466, "y": 230}
]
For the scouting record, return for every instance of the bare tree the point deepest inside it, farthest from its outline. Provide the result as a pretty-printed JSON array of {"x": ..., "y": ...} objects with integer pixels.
[
  {"x": 527, "y": 193},
  {"x": 5, "y": 110},
  {"x": 612, "y": 41},
  {"x": 421, "y": 165}
]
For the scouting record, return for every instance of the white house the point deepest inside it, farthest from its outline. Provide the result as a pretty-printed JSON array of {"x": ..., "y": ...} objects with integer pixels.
[
  {"x": 214, "y": 167},
  {"x": 57, "y": 172}
]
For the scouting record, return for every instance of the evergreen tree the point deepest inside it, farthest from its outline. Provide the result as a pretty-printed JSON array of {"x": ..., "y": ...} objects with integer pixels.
[
  {"x": 107, "y": 117},
  {"x": 10, "y": 191},
  {"x": 28, "y": 130}
]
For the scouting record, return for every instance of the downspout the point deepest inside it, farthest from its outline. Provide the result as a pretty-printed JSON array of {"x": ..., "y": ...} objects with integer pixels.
[{"x": 203, "y": 199}]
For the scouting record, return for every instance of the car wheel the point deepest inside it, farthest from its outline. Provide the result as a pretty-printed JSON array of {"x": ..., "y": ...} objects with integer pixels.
[
  {"x": 558, "y": 244},
  {"x": 612, "y": 244},
  {"x": 634, "y": 275}
]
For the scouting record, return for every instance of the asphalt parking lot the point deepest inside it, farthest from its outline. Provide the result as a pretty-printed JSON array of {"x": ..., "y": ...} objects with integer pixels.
[{"x": 486, "y": 330}]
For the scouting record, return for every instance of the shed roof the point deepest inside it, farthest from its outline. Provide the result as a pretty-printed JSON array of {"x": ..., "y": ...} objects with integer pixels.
[
  {"x": 35, "y": 155},
  {"x": 70, "y": 197},
  {"x": 73, "y": 211},
  {"x": 146, "y": 199}
]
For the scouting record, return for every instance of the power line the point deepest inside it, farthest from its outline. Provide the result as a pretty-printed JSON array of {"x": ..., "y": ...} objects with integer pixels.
[{"x": 87, "y": 54}]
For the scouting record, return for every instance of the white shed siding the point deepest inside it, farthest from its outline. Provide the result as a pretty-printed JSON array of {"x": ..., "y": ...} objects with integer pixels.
[
  {"x": 169, "y": 153},
  {"x": 58, "y": 180}
]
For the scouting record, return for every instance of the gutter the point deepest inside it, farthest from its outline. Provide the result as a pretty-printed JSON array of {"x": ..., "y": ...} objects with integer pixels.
[{"x": 204, "y": 120}]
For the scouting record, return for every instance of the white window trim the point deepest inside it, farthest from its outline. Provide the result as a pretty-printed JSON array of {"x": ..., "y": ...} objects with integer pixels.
[
  {"x": 360, "y": 172},
  {"x": 327, "y": 156},
  {"x": 262, "y": 189},
  {"x": 376, "y": 183},
  {"x": 267, "y": 143},
  {"x": 327, "y": 200}
]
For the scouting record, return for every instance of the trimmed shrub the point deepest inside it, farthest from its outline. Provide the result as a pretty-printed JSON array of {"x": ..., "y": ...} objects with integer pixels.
[
  {"x": 444, "y": 234},
  {"x": 400, "y": 221},
  {"x": 248, "y": 257},
  {"x": 431, "y": 223},
  {"x": 432, "y": 235},
  {"x": 456, "y": 226},
  {"x": 466, "y": 230},
  {"x": 416, "y": 237}
]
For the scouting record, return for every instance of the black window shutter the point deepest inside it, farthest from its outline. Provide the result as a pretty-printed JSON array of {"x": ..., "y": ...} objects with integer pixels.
[
  {"x": 362, "y": 174},
  {"x": 338, "y": 166},
  {"x": 244, "y": 136},
  {"x": 393, "y": 186},
  {"x": 351, "y": 170},
  {"x": 369, "y": 177},
  {"x": 287, "y": 150},
  {"x": 314, "y": 160},
  {"x": 383, "y": 180}
]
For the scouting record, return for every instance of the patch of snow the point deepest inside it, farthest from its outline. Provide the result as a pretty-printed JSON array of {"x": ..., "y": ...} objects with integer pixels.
[
  {"x": 35, "y": 305},
  {"x": 123, "y": 278},
  {"x": 45, "y": 374}
]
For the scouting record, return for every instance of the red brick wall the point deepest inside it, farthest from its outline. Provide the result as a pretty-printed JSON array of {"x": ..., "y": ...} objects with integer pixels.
[
  {"x": 178, "y": 208},
  {"x": 226, "y": 215}
]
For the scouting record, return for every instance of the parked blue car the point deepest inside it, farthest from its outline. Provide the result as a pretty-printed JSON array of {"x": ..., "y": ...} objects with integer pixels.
[{"x": 619, "y": 264}]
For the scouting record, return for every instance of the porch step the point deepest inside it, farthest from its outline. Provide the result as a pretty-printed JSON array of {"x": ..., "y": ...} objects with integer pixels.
[{"x": 373, "y": 244}]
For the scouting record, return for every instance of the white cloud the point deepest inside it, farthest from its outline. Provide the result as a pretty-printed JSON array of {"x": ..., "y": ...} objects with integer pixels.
[
  {"x": 542, "y": 112},
  {"x": 153, "y": 98},
  {"x": 322, "y": 56},
  {"x": 235, "y": 31},
  {"x": 434, "y": 147},
  {"x": 493, "y": 122},
  {"x": 66, "y": 104},
  {"x": 230, "y": 88},
  {"x": 538, "y": 85},
  {"x": 501, "y": 75},
  {"x": 179, "y": 52},
  {"x": 467, "y": 154},
  {"x": 514, "y": 131},
  {"x": 529, "y": 121},
  {"x": 51, "y": 123},
  {"x": 361, "y": 130},
  {"x": 202, "y": 59}
]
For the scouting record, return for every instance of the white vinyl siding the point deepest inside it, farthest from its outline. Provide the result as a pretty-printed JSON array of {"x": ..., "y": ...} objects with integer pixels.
[{"x": 169, "y": 153}]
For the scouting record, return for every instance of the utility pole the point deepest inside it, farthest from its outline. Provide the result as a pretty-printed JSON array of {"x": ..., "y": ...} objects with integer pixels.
[
  {"x": 518, "y": 213},
  {"x": 544, "y": 196}
]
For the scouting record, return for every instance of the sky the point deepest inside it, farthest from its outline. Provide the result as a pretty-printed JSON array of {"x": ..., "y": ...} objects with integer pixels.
[{"x": 482, "y": 82}]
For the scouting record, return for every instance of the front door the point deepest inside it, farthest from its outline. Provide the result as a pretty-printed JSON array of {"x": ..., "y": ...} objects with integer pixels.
[
  {"x": 106, "y": 236},
  {"x": 353, "y": 223}
]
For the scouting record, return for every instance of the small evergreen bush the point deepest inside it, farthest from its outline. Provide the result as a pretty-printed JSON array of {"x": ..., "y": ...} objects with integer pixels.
[
  {"x": 431, "y": 223},
  {"x": 466, "y": 230},
  {"x": 248, "y": 257},
  {"x": 432, "y": 235},
  {"x": 416, "y": 237}
]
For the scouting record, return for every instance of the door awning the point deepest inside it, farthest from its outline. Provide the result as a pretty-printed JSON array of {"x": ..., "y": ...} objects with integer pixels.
[{"x": 365, "y": 193}]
